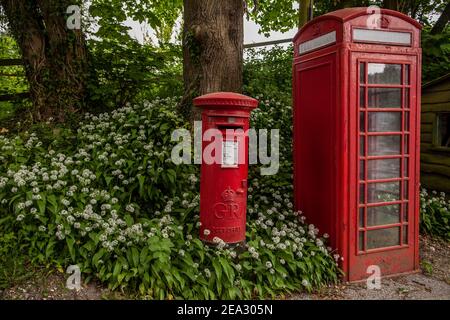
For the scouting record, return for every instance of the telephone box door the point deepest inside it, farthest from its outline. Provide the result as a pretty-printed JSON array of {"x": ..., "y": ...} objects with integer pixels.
[{"x": 384, "y": 115}]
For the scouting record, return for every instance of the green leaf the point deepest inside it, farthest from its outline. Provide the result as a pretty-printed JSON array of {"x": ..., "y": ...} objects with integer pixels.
[
  {"x": 217, "y": 269},
  {"x": 97, "y": 257},
  {"x": 135, "y": 256},
  {"x": 117, "y": 269},
  {"x": 141, "y": 185},
  {"x": 70, "y": 242},
  {"x": 129, "y": 220},
  {"x": 144, "y": 256},
  {"x": 41, "y": 204}
]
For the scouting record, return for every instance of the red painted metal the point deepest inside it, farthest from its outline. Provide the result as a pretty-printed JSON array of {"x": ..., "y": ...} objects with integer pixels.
[
  {"x": 223, "y": 189},
  {"x": 333, "y": 184}
]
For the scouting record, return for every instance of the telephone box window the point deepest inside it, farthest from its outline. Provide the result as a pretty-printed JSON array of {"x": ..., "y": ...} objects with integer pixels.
[
  {"x": 383, "y": 192},
  {"x": 362, "y": 122},
  {"x": 362, "y": 170},
  {"x": 361, "y": 241},
  {"x": 405, "y": 212},
  {"x": 407, "y": 96},
  {"x": 362, "y": 198},
  {"x": 405, "y": 235},
  {"x": 361, "y": 217},
  {"x": 379, "y": 216},
  {"x": 362, "y": 72},
  {"x": 443, "y": 130},
  {"x": 384, "y": 145},
  {"x": 381, "y": 238},
  {"x": 385, "y": 121},
  {"x": 385, "y": 97},
  {"x": 407, "y": 71},
  {"x": 406, "y": 167},
  {"x": 406, "y": 147},
  {"x": 405, "y": 190},
  {"x": 362, "y": 97},
  {"x": 384, "y": 169},
  {"x": 380, "y": 73},
  {"x": 406, "y": 121}
]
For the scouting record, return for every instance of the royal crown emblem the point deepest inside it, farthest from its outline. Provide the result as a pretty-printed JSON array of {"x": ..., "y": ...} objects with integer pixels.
[{"x": 228, "y": 195}]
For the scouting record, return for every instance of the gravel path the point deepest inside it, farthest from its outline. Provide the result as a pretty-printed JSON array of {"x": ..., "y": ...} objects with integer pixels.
[{"x": 432, "y": 283}]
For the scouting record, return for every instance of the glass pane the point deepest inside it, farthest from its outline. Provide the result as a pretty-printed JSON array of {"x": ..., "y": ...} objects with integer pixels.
[
  {"x": 383, "y": 192},
  {"x": 405, "y": 190},
  {"x": 362, "y": 146},
  {"x": 406, "y": 146},
  {"x": 384, "y": 145},
  {"x": 384, "y": 169},
  {"x": 361, "y": 217},
  {"x": 361, "y": 241},
  {"x": 362, "y": 98},
  {"x": 443, "y": 130},
  {"x": 406, "y": 98},
  {"x": 362, "y": 194},
  {"x": 362, "y": 73},
  {"x": 384, "y": 73},
  {"x": 377, "y": 216},
  {"x": 405, "y": 212},
  {"x": 407, "y": 72},
  {"x": 406, "y": 121},
  {"x": 385, "y": 97},
  {"x": 385, "y": 121},
  {"x": 362, "y": 122},
  {"x": 383, "y": 238},
  {"x": 405, "y": 234},
  {"x": 406, "y": 167},
  {"x": 362, "y": 170}
]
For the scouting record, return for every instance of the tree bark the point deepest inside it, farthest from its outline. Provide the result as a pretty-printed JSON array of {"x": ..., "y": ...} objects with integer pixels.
[
  {"x": 442, "y": 21},
  {"x": 54, "y": 57},
  {"x": 305, "y": 12},
  {"x": 345, "y": 4},
  {"x": 391, "y": 4},
  {"x": 213, "y": 42}
]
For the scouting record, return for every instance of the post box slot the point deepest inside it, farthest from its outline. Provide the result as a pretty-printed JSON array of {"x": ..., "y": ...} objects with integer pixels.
[{"x": 234, "y": 126}]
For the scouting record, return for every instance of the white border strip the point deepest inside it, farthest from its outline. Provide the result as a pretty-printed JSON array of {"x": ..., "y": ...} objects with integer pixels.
[
  {"x": 317, "y": 43},
  {"x": 381, "y": 36}
]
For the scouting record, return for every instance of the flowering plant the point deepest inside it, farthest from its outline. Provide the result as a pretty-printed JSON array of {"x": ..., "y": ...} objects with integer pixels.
[
  {"x": 435, "y": 214},
  {"x": 113, "y": 203}
]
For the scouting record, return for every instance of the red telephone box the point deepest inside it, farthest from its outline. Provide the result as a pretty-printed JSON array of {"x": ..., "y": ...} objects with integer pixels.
[
  {"x": 223, "y": 183},
  {"x": 356, "y": 136}
]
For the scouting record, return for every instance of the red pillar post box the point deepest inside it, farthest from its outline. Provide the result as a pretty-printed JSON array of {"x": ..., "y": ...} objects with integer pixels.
[
  {"x": 223, "y": 181},
  {"x": 356, "y": 136}
]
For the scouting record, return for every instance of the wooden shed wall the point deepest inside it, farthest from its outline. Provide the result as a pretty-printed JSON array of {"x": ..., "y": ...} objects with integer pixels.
[{"x": 435, "y": 162}]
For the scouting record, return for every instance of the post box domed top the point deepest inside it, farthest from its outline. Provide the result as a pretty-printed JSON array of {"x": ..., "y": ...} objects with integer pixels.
[{"x": 225, "y": 100}]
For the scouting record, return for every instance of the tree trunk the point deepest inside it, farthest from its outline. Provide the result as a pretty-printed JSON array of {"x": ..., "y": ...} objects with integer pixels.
[
  {"x": 305, "y": 12},
  {"x": 391, "y": 4},
  {"x": 213, "y": 44},
  {"x": 345, "y": 4},
  {"x": 54, "y": 57},
  {"x": 442, "y": 21}
]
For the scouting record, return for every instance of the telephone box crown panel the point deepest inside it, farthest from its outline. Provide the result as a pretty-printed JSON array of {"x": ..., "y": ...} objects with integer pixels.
[{"x": 358, "y": 25}]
